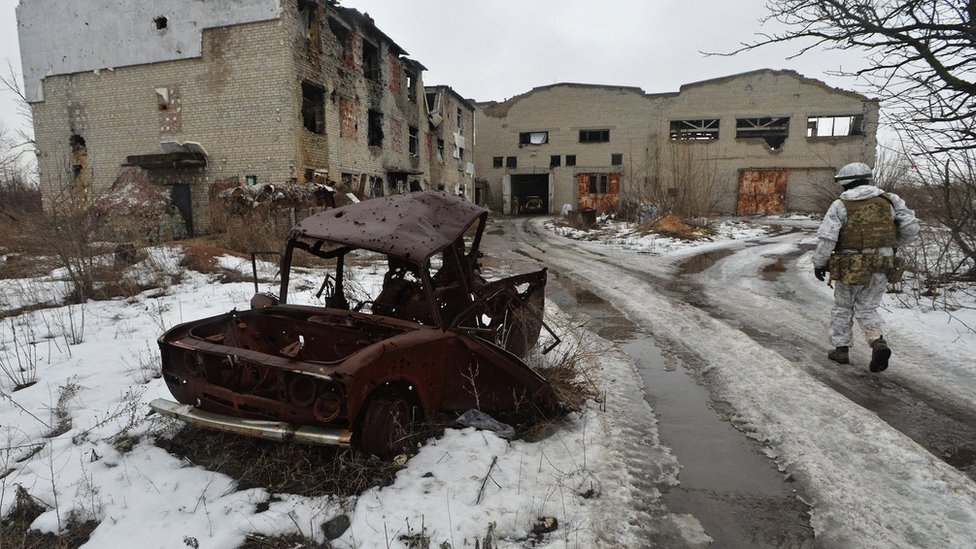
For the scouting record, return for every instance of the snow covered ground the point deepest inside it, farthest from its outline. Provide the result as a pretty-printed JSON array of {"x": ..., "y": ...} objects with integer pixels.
[{"x": 96, "y": 372}]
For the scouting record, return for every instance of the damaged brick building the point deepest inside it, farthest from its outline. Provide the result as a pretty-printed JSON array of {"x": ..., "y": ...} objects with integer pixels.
[
  {"x": 198, "y": 97},
  {"x": 767, "y": 141}
]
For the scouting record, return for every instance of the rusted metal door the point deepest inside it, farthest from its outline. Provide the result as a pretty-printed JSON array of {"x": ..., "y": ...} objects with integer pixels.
[{"x": 762, "y": 192}]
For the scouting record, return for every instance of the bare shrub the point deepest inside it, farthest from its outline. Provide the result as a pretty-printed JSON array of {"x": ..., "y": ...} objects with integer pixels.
[
  {"x": 18, "y": 358},
  {"x": 690, "y": 185}
]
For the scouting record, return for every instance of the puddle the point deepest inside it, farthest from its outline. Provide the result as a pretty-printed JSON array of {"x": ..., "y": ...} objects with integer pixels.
[
  {"x": 740, "y": 499},
  {"x": 701, "y": 262}
]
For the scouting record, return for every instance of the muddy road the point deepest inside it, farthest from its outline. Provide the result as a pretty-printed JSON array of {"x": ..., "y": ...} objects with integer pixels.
[{"x": 755, "y": 293}]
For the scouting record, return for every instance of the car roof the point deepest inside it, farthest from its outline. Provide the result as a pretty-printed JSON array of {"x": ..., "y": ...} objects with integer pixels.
[{"x": 412, "y": 226}]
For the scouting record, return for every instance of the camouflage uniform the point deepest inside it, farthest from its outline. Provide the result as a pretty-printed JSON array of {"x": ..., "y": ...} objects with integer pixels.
[{"x": 858, "y": 244}]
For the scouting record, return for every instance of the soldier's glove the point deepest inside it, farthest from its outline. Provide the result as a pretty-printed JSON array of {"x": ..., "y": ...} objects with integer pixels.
[{"x": 820, "y": 272}]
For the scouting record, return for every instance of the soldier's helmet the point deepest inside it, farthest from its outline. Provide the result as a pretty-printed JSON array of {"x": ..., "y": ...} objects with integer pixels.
[{"x": 853, "y": 172}]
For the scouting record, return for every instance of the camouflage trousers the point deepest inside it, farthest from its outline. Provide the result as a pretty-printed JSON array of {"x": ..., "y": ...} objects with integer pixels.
[{"x": 859, "y": 302}]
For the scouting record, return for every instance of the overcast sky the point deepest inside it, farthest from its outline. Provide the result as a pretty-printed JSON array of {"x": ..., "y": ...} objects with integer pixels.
[{"x": 495, "y": 49}]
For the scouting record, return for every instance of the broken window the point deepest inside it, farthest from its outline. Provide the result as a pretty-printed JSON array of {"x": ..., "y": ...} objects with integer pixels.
[
  {"x": 160, "y": 23},
  {"x": 375, "y": 131},
  {"x": 460, "y": 119},
  {"x": 313, "y": 107},
  {"x": 440, "y": 150},
  {"x": 570, "y": 159},
  {"x": 79, "y": 155},
  {"x": 414, "y": 144},
  {"x": 341, "y": 34},
  {"x": 705, "y": 129},
  {"x": 411, "y": 86},
  {"x": 598, "y": 183},
  {"x": 616, "y": 159},
  {"x": 460, "y": 157},
  {"x": 497, "y": 161},
  {"x": 533, "y": 138},
  {"x": 774, "y": 130},
  {"x": 376, "y": 186},
  {"x": 594, "y": 136},
  {"x": 835, "y": 126},
  {"x": 554, "y": 161},
  {"x": 371, "y": 60},
  {"x": 511, "y": 162}
]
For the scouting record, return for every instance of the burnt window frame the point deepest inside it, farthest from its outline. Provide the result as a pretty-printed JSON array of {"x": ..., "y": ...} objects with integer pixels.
[
  {"x": 374, "y": 128},
  {"x": 413, "y": 141},
  {"x": 511, "y": 162},
  {"x": 570, "y": 160},
  {"x": 371, "y": 64},
  {"x": 342, "y": 35},
  {"x": 855, "y": 126},
  {"x": 694, "y": 129},
  {"x": 555, "y": 161},
  {"x": 525, "y": 138},
  {"x": 313, "y": 107},
  {"x": 497, "y": 161},
  {"x": 595, "y": 136}
]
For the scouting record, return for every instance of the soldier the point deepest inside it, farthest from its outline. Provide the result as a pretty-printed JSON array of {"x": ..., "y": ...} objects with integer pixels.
[{"x": 857, "y": 241}]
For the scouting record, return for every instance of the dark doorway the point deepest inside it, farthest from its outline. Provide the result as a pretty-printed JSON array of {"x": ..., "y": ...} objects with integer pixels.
[
  {"x": 180, "y": 196},
  {"x": 530, "y": 194}
]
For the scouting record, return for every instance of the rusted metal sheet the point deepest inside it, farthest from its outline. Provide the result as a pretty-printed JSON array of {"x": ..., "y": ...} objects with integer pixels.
[
  {"x": 601, "y": 195},
  {"x": 762, "y": 191},
  {"x": 430, "y": 343}
]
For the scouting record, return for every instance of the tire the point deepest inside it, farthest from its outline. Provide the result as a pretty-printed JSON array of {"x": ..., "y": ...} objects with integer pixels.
[{"x": 387, "y": 426}]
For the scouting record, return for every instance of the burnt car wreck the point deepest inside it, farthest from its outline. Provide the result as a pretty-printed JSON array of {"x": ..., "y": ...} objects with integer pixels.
[{"x": 363, "y": 369}]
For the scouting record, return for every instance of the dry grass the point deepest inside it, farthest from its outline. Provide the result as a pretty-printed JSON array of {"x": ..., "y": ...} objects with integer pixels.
[
  {"x": 675, "y": 227},
  {"x": 15, "y": 529},
  {"x": 280, "y": 467},
  {"x": 288, "y": 541}
]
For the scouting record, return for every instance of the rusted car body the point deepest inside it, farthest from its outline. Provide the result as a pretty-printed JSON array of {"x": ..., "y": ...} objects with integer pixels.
[{"x": 363, "y": 369}]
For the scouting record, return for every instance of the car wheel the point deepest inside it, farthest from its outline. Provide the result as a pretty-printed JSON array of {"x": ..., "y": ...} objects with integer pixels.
[{"x": 387, "y": 425}]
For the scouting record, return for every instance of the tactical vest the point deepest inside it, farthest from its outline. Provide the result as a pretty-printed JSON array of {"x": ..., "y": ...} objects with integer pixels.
[{"x": 869, "y": 225}]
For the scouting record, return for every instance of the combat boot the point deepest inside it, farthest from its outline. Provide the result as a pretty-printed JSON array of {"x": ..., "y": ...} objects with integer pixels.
[
  {"x": 880, "y": 353},
  {"x": 840, "y": 355}
]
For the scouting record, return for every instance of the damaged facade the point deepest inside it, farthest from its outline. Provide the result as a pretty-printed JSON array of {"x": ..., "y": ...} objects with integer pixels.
[
  {"x": 204, "y": 96},
  {"x": 768, "y": 139}
]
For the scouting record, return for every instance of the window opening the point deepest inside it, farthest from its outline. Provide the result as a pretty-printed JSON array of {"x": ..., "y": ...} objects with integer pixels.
[
  {"x": 533, "y": 138},
  {"x": 411, "y": 86},
  {"x": 598, "y": 183},
  {"x": 554, "y": 161},
  {"x": 371, "y": 60},
  {"x": 160, "y": 23},
  {"x": 705, "y": 129},
  {"x": 313, "y": 107},
  {"x": 511, "y": 162},
  {"x": 774, "y": 130},
  {"x": 835, "y": 126},
  {"x": 414, "y": 145},
  {"x": 594, "y": 136},
  {"x": 440, "y": 150},
  {"x": 375, "y": 131},
  {"x": 497, "y": 161},
  {"x": 616, "y": 159},
  {"x": 341, "y": 34},
  {"x": 570, "y": 159},
  {"x": 460, "y": 119}
]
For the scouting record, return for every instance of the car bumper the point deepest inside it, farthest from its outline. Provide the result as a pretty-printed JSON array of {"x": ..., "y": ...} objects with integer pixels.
[{"x": 270, "y": 430}]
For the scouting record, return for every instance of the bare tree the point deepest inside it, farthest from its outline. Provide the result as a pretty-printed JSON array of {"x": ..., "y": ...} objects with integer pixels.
[{"x": 921, "y": 57}]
